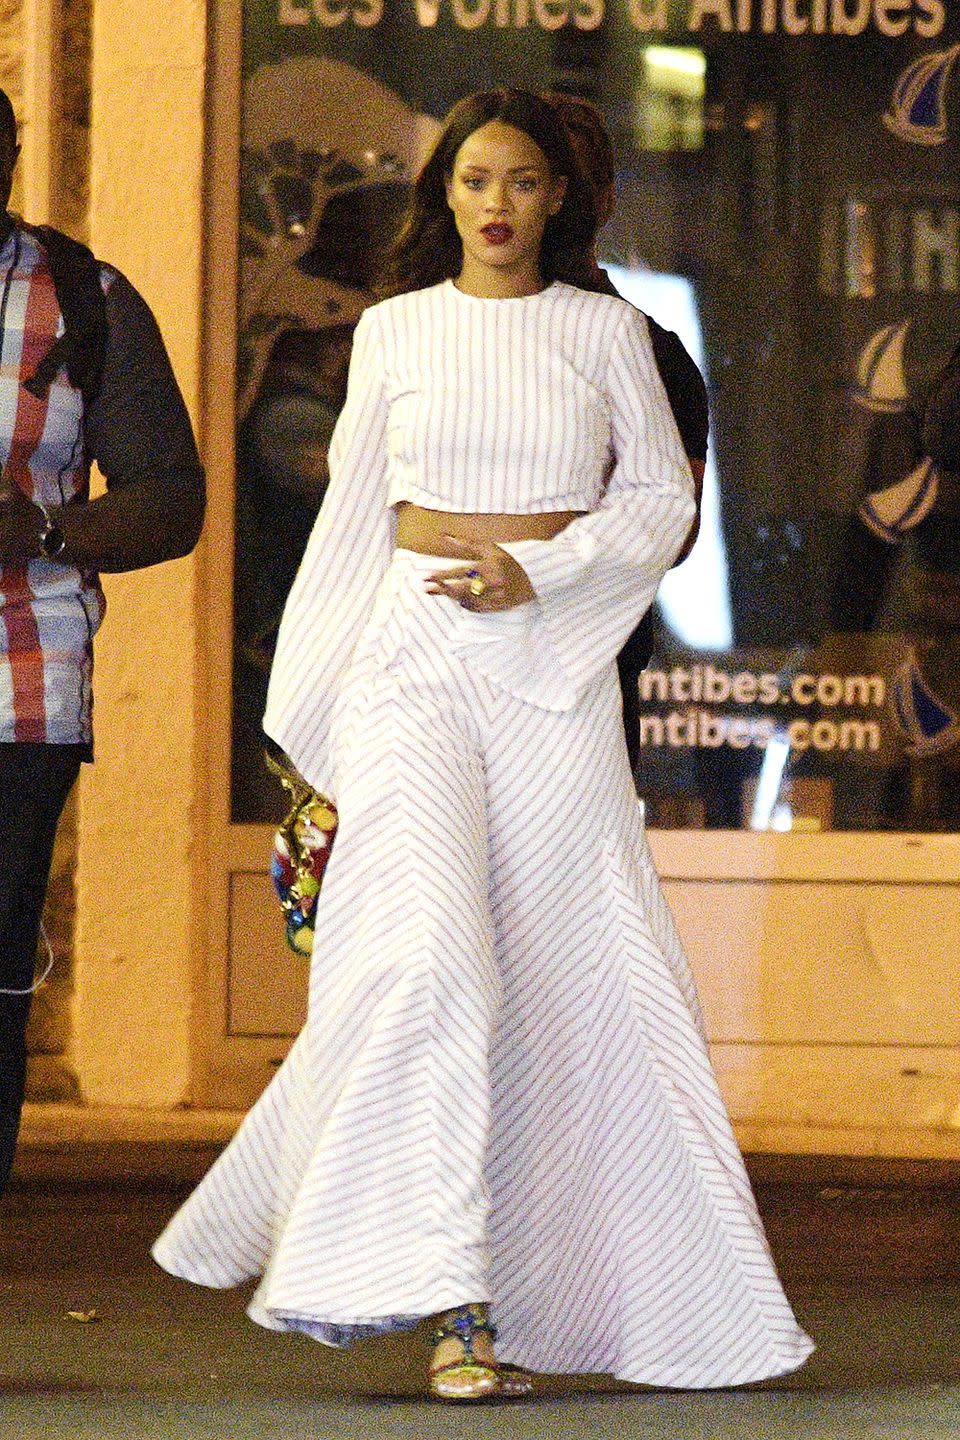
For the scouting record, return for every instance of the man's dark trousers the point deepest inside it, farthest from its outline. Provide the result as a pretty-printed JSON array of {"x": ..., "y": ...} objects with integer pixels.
[{"x": 35, "y": 781}]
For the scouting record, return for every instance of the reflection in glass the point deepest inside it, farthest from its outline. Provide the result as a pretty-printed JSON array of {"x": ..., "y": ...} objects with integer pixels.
[
  {"x": 694, "y": 599},
  {"x": 670, "y": 98},
  {"x": 803, "y": 239}
]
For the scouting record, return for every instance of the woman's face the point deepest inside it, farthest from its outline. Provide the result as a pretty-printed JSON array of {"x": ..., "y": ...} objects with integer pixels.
[{"x": 502, "y": 193}]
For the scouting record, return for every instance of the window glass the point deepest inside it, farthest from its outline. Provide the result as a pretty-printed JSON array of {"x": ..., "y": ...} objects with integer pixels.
[{"x": 799, "y": 232}]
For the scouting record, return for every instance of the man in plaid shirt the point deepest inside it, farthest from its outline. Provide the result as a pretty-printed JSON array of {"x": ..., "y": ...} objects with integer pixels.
[{"x": 53, "y": 542}]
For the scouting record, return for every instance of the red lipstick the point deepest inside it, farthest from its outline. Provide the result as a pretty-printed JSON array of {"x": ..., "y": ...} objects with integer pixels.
[{"x": 497, "y": 233}]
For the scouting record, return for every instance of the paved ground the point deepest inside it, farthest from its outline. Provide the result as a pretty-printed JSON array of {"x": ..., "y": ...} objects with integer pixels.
[{"x": 165, "y": 1360}]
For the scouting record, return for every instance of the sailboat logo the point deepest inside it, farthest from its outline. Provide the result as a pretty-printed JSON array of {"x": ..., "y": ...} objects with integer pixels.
[
  {"x": 880, "y": 383},
  {"x": 918, "y": 112},
  {"x": 928, "y": 723},
  {"x": 891, "y": 512}
]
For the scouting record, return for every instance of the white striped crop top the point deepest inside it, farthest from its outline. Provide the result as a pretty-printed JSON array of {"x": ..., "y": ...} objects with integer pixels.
[
  {"x": 550, "y": 402},
  {"x": 503, "y": 405}
]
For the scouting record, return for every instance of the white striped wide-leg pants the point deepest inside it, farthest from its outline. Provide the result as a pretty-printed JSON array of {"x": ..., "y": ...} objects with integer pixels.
[{"x": 502, "y": 1091}]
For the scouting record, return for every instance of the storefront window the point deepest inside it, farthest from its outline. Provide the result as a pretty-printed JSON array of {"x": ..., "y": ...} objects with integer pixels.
[{"x": 788, "y": 204}]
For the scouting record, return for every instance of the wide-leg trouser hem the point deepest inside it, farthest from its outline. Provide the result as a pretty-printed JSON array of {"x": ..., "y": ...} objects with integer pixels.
[{"x": 589, "y": 1151}]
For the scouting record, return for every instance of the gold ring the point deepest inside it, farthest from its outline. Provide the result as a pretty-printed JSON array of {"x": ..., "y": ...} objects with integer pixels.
[{"x": 478, "y": 586}]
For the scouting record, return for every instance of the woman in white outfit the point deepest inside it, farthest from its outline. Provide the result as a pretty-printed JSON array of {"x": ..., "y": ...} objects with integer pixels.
[{"x": 501, "y": 1105}]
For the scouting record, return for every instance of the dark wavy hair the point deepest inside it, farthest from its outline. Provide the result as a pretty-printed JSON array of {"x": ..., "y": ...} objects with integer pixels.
[
  {"x": 588, "y": 135},
  {"x": 428, "y": 249}
]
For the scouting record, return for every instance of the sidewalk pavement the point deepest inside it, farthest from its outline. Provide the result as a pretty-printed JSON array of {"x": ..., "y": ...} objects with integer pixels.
[{"x": 871, "y": 1262}]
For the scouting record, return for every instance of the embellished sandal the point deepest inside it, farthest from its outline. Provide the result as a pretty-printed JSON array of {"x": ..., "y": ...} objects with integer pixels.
[
  {"x": 514, "y": 1382},
  {"x": 469, "y": 1378}
]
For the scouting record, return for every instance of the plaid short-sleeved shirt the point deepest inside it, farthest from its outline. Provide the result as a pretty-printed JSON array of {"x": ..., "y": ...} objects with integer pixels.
[{"x": 49, "y": 612}]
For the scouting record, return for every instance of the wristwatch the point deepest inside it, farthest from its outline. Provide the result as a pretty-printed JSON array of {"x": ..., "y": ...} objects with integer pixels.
[{"x": 52, "y": 539}]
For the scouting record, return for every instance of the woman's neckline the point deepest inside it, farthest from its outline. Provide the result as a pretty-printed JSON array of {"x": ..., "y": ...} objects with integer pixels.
[{"x": 452, "y": 285}]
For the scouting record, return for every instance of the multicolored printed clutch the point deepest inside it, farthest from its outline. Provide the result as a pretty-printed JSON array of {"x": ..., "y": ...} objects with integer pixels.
[{"x": 301, "y": 849}]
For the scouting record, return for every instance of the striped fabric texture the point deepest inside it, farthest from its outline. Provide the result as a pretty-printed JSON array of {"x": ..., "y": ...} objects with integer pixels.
[
  {"x": 504, "y": 405},
  {"x": 502, "y": 1091},
  {"x": 49, "y": 612},
  {"x": 586, "y": 426}
]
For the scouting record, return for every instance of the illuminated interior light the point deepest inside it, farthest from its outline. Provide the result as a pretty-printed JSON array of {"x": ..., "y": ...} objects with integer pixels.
[
  {"x": 766, "y": 813},
  {"x": 782, "y": 819},
  {"x": 676, "y": 60},
  {"x": 694, "y": 599}
]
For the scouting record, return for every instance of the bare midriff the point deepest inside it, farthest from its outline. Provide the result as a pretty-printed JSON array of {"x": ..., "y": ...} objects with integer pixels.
[{"x": 425, "y": 531}]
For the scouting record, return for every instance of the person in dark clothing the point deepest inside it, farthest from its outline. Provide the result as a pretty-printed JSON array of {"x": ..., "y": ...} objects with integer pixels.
[
  {"x": 102, "y": 390},
  {"x": 682, "y": 381}
]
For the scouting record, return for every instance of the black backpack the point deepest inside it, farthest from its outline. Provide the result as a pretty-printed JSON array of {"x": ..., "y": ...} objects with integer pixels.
[{"x": 82, "y": 346}]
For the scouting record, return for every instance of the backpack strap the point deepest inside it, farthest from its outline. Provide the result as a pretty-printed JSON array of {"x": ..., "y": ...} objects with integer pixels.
[{"x": 82, "y": 346}]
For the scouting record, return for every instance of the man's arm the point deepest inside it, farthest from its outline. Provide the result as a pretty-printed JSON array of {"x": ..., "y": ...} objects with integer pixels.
[{"x": 139, "y": 433}]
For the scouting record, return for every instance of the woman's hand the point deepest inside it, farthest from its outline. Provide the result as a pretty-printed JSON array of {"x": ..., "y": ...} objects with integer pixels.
[{"x": 501, "y": 582}]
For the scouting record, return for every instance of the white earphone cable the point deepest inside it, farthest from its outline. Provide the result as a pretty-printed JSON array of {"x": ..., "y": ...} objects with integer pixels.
[{"x": 42, "y": 977}]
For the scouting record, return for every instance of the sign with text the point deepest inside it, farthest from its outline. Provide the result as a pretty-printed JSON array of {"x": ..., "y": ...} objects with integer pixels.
[{"x": 801, "y": 235}]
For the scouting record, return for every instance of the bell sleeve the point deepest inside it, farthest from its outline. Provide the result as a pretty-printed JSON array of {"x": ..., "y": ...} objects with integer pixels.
[
  {"x": 597, "y": 578},
  {"x": 345, "y": 560}
]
